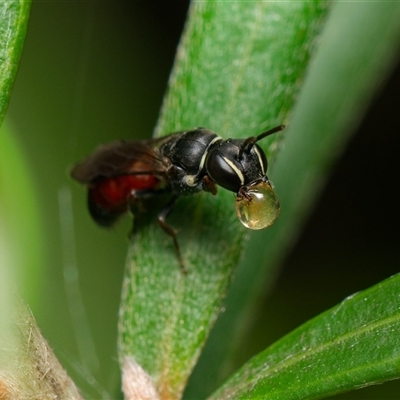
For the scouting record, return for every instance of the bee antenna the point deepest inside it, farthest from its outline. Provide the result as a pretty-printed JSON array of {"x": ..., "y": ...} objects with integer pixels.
[
  {"x": 251, "y": 141},
  {"x": 270, "y": 132}
]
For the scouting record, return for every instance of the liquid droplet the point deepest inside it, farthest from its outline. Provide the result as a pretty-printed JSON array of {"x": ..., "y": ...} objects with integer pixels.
[{"x": 260, "y": 208}]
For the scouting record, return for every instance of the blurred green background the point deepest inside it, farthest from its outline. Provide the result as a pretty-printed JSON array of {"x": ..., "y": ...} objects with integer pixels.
[{"x": 93, "y": 72}]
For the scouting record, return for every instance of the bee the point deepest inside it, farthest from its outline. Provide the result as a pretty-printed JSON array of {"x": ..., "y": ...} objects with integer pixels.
[{"x": 124, "y": 173}]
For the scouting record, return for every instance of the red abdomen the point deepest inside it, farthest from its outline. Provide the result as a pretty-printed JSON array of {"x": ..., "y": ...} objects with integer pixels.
[{"x": 108, "y": 198}]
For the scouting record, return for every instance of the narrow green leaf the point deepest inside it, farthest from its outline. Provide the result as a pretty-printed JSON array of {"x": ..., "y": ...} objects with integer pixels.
[
  {"x": 238, "y": 71},
  {"x": 14, "y": 17},
  {"x": 353, "y": 345},
  {"x": 356, "y": 52}
]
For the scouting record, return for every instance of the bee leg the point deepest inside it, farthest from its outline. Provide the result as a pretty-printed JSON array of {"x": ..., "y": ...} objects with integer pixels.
[
  {"x": 209, "y": 185},
  {"x": 135, "y": 208},
  {"x": 171, "y": 231}
]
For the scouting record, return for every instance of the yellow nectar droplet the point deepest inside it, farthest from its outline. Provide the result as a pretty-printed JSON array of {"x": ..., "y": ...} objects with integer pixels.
[{"x": 260, "y": 208}]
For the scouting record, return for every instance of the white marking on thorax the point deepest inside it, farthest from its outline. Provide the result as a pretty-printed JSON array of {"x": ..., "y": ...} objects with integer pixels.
[{"x": 191, "y": 180}]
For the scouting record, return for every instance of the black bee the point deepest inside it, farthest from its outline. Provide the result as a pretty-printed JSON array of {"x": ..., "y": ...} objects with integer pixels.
[{"x": 123, "y": 173}]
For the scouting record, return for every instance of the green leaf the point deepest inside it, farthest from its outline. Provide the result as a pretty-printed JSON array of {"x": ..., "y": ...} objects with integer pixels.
[
  {"x": 21, "y": 242},
  {"x": 357, "y": 50},
  {"x": 238, "y": 71},
  {"x": 355, "y": 344},
  {"x": 14, "y": 17}
]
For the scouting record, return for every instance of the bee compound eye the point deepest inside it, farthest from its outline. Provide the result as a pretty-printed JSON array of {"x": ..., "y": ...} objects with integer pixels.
[
  {"x": 258, "y": 207},
  {"x": 224, "y": 172}
]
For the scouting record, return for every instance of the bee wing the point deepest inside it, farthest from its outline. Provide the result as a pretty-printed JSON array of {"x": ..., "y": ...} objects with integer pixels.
[{"x": 123, "y": 157}]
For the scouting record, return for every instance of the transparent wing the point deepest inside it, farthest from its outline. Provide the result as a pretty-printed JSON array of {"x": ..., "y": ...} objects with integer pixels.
[{"x": 123, "y": 157}]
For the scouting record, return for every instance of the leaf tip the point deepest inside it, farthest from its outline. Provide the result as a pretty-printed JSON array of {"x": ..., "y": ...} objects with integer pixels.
[{"x": 136, "y": 382}]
